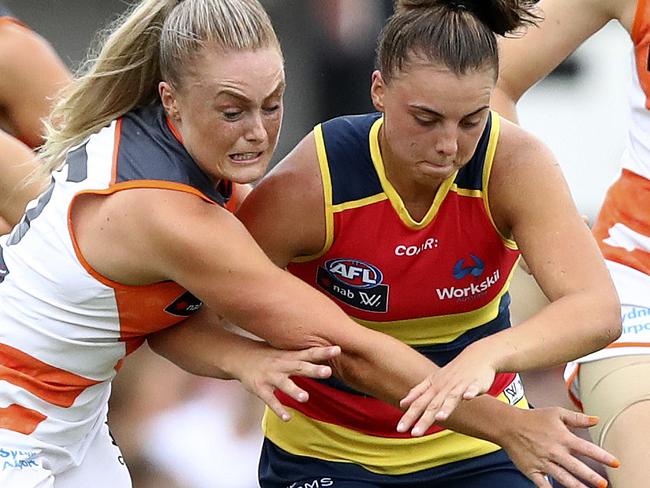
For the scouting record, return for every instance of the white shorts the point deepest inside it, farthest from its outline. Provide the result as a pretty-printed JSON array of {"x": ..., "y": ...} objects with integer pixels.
[{"x": 27, "y": 463}]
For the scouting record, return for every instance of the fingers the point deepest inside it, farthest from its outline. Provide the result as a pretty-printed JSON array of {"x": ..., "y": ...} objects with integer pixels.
[
  {"x": 301, "y": 362},
  {"x": 426, "y": 407},
  {"x": 318, "y": 354},
  {"x": 569, "y": 469},
  {"x": 416, "y": 392},
  {"x": 568, "y": 480},
  {"x": 427, "y": 410},
  {"x": 540, "y": 480},
  {"x": 577, "y": 419},
  {"x": 274, "y": 404},
  {"x": 583, "y": 447},
  {"x": 590, "y": 450},
  {"x": 418, "y": 401},
  {"x": 289, "y": 388}
]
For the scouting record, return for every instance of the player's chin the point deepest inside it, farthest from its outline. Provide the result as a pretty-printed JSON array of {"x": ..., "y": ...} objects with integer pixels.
[{"x": 247, "y": 174}]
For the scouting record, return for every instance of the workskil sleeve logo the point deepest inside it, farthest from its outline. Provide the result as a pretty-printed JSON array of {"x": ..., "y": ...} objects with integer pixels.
[{"x": 357, "y": 283}]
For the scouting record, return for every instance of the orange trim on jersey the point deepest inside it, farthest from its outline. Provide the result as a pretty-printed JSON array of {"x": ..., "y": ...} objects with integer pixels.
[
  {"x": 135, "y": 184},
  {"x": 233, "y": 203},
  {"x": 174, "y": 130},
  {"x": 20, "y": 419},
  {"x": 641, "y": 37},
  {"x": 641, "y": 6},
  {"x": 614, "y": 345},
  {"x": 626, "y": 203},
  {"x": 47, "y": 382},
  {"x": 116, "y": 150}
]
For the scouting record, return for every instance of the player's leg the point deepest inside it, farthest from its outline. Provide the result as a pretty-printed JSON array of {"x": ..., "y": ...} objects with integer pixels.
[{"x": 618, "y": 391}]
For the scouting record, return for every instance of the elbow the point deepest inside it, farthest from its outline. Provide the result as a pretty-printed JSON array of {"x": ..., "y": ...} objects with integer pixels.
[{"x": 609, "y": 313}]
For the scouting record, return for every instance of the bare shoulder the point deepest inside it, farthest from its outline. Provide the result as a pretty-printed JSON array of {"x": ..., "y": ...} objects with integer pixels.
[
  {"x": 518, "y": 151},
  {"x": 128, "y": 234},
  {"x": 285, "y": 212},
  {"x": 524, "y": 172}
]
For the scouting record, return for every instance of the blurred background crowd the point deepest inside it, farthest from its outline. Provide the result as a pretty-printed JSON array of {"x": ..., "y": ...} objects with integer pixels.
[{"x": 179, "y": 431}]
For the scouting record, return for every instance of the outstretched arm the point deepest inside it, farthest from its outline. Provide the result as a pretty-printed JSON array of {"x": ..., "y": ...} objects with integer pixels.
[
  {"x": 202, "y": 346},
  {"x": 567, "y": 24}
]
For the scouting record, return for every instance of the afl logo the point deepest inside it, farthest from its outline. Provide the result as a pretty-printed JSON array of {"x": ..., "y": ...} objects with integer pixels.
[{"x": 354, "y": 273}]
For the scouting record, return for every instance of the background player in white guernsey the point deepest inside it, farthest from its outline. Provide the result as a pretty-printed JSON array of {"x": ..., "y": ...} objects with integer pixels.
[
  {"x": 184, "y": 97},
  {"x": 612, "y": 383}
]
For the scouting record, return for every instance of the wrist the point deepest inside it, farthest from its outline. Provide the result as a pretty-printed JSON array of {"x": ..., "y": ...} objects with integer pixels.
[
  {"x": 489, "y": 352},
  {"x": 236, "y": 358}
]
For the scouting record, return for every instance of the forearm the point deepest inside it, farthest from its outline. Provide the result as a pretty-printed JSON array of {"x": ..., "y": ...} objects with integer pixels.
[
  {"x": 476, "y": 418},
  {"x": 291, "y": 315},
  {"x": 203, "y": 347},
  {"x": 564, "y": 330}
]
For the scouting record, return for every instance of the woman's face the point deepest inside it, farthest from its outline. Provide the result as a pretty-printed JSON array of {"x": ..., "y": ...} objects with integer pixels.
[
  {"x": 228, "y": 111},
  {"x": 433, "y": 120}
]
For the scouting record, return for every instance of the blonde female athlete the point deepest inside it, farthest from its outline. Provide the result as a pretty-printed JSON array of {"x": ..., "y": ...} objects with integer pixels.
[
  {"x": 130, "y": 238},
  {"x": 611, "y": 383}
]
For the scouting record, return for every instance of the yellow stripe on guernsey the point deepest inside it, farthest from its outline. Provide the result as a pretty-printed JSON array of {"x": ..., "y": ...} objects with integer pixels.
[
  {"x": 439, "y": 329},
  {"x": 487, "y": 171},
  {"x": 382, "y": 455},
  {"x": 327, "y": 194}
]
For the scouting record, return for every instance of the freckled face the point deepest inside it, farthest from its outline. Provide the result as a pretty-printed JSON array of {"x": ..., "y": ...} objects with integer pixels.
[
  {"x": 228, "y": 111},
  {"x": 433, "y": 120}
]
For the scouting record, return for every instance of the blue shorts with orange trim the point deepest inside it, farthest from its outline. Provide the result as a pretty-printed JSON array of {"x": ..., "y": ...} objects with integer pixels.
[{"x": 279, "y": 469}]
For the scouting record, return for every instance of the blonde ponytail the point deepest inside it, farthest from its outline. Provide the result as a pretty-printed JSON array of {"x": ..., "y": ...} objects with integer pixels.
[{"x": 123, "y": 75}]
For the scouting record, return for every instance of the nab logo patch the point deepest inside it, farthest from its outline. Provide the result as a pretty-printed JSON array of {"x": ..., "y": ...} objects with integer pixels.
[
  {"x": 475, "y": 268},
  {"x": 185, "y": 305},
  {"x": 357, "y": 283}
]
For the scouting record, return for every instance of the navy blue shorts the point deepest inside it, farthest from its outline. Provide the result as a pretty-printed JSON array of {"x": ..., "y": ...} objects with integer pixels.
[{"x": 279, "y": 469}]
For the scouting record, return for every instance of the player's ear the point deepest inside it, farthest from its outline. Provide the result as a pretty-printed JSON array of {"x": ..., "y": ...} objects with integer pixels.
[
  {"x": 377, "y": 90},
  {"x": 168, "y": 99}
]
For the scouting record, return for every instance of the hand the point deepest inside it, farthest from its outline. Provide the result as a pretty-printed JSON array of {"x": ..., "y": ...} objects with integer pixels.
[
  {"x": 469, "y": 374},
  {"x": 540, "y": 443},
  {"x": 269, "y": 369}
]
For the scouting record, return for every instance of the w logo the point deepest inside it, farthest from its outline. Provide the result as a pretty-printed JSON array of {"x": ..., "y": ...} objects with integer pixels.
[{"x": 476, "y": 269}]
